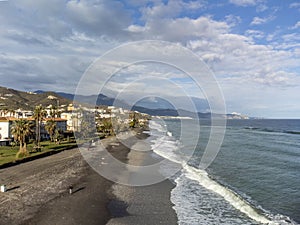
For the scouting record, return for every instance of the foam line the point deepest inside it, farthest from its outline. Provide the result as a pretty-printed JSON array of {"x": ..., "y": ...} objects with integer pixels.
[{"x": 236, "y": 201}]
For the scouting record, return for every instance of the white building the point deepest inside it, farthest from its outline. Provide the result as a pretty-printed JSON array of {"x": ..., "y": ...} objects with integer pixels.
[
  {"x": 73, "y": 120},
  {"x": 5, "y": 127},
  {"x": 6, "y": 124},
  {"x": 19, "y": 113}
]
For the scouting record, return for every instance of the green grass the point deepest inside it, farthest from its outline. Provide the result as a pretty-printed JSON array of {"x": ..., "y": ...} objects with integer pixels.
[{"x": 8, "y": 153}]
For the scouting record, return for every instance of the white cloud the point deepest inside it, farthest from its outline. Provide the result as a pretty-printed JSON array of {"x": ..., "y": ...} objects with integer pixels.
[
  {"x": 258, "y": 20},
  {"x": 261, "y": 8},
  {"x": 98, "y": 18},
  {"x": 184, "y": 29},
  {"x": 255, "y": 34},
  {"x": 295, "y": 5},
  {"x": 171, "y": 9},
  {"x": 233, "y": 20},
  {"x": 296, "y": 26},
  {"x": 194, "y": 5},
  {"x": 48, "y": 45},
  {"x": 274, "y": 78},
  {"x": 291, "y": 37},
  {"x": 238, "y": 57},
  {"x": 243, "y": 2}
]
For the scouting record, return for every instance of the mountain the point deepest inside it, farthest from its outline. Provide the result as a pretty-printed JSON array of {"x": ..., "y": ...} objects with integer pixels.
[
  {"x": 95, "y": 100},
  {"x": 14, "y": 99},
  {"x": 186, "y": 103},
  {"x": 154, "y": 106},
  {"x": 150, "y": 103},
  {"x": 154, "y": 103}
]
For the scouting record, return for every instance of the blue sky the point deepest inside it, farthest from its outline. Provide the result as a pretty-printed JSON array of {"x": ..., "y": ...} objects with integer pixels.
[{"x": 252, "y": 46}]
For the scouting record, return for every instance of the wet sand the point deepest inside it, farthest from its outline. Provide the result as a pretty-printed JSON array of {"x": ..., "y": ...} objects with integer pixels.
[{"x": 38, "y": 192}]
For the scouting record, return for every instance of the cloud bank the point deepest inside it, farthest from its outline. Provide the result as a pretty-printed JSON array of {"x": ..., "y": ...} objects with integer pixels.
[{"x": 49, "y": 44}]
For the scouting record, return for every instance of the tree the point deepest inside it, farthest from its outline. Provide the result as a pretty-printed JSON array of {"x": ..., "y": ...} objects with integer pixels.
[
  {"x": 39, "y": 114},
  {"x": 106, "y": 126},
  {"x": 133, "y": 120},
  {"x": 21, "y": 130},
  {"x": 87, "y": 129},
  {"x": 87, "y": 124},
  {"x": 58, "y": 136},
  {"x": 54, "y": 112},
  {"x": 50, "y": 128}
]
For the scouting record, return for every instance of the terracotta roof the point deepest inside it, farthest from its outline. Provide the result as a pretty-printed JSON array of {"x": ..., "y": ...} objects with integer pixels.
[
  {"x": 6, "y": 119},
  {"x": 55, "y": 119}
]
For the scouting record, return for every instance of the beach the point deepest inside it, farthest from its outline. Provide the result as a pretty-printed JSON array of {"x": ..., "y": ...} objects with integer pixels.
[{"x": 38, "y": 192}]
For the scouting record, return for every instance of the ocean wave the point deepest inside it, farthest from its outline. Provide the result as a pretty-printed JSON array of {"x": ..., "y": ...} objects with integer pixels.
[
  {"x": 230, "y": 196},
  {"x": 269, "y": 130}
]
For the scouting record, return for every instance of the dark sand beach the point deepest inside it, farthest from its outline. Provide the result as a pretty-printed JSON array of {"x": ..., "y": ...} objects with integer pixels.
[{"x": 38, "y": 192}]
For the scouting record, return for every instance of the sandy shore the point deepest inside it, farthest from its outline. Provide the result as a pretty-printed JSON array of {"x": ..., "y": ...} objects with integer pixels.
[{"x": 38, "y": 192}]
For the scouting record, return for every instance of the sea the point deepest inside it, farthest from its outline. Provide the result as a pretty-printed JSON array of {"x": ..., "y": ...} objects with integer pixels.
[{"x": 254, "y": 179}]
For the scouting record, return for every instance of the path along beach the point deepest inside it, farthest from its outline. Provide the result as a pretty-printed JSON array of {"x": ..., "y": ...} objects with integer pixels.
[{"x": 38, "y": 191}]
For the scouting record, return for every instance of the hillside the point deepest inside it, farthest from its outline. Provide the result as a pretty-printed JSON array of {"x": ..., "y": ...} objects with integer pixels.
[{"x": 13, "y": 99}]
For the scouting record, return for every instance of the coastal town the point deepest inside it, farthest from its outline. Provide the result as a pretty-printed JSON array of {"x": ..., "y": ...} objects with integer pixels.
[
  {"x": 40, "y": 160},
  {"x": 56, "y": 123}
]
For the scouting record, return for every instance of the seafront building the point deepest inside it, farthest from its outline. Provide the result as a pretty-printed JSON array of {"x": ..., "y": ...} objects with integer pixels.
[
  {"x": 6, "y": 124},
  {"x": 68, "y": 120}
]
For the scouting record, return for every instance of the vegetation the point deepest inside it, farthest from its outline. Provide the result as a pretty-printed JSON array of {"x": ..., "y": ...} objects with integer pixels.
[
  {"x": 14, "y": 99},
  {"x": 8, "y": 153},
  {"x": 86, "y": 122},
  {"x": 58, "y": 136},
  {"x": 134, "y": 121},
  {"x": 105, "y": 126},
  {"x": 54, "y": 112},
  {"x": 51, "y": 128},
  {"x": 21, "y": 131},
  {"x": 39, "y": 114}
]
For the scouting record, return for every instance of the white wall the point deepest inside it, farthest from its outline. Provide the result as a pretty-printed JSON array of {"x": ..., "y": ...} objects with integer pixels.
[{"x": 4, "y": 130}]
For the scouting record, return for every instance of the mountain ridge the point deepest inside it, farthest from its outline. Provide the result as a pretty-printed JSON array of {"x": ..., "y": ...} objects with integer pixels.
[{"x": 14, "y": 99}]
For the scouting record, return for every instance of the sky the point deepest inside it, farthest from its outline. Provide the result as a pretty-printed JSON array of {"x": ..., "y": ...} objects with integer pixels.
[{"x": 252, "y": 47}]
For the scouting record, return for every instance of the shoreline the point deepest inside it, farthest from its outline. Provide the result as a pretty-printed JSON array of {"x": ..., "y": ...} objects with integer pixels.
[{"x": 41, "y": 195}]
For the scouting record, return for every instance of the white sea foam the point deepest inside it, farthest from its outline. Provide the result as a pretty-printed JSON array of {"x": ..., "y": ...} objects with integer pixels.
[
  {"x": 155, "y": 126},
  {"x": 236, "y": 201},
  {"x": 166, "y": 148},
  {"x": 196, "y": 205},
  {"x": 169, "y": 134}
]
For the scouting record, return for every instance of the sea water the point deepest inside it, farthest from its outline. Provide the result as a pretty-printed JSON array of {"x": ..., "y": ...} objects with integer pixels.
[{"x": 253, "y": 180}]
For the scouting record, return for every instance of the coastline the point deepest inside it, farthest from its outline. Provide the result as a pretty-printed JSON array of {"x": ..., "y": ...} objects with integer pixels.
[{"x": 38, "y": 192}]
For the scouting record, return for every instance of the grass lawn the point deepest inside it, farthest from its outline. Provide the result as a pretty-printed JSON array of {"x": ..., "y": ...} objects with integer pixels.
[{"x": 8, "y": 153}]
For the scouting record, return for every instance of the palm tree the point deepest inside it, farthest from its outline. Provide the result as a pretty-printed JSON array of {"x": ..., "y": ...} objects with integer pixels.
[
  {"x": 58, "y": 136},
  {"x": 106, "y": 126},
  {"x": 134, "y": 121},
  {"x": 39, "y": 114},
  {"x": 50, "y": 128},
  {"x": 54, "y": 112},
  {"x": 21, "y": 130}
]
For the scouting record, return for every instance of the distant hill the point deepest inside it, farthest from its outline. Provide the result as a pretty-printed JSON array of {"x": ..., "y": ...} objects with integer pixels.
[
  {"x": 156, "y": 103},
  {"x": 14, "y": 99},
  {"x": 154, "y": 107}
]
